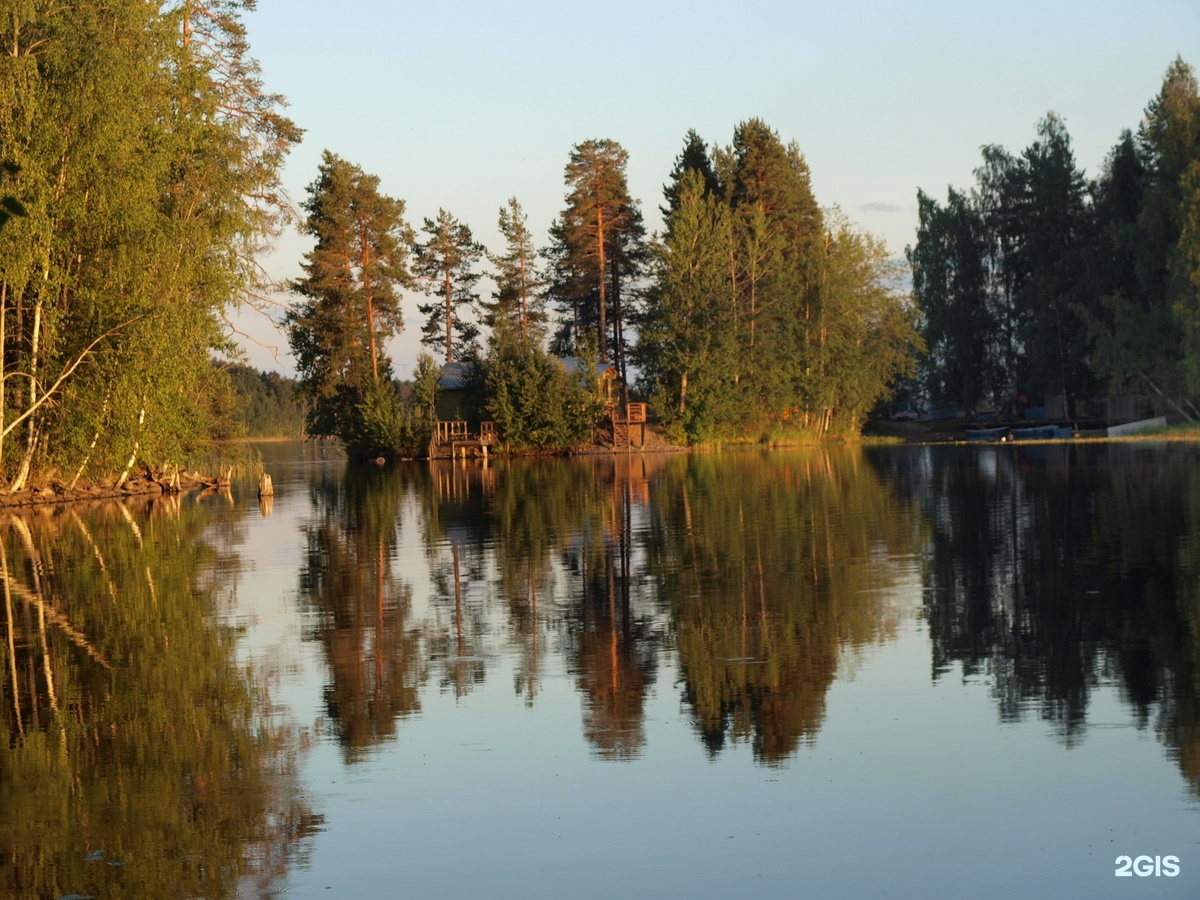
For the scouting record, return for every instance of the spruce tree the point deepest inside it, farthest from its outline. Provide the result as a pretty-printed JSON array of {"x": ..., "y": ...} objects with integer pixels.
[
  {"x": 686, "y": 347},
  {"x": 777, "y": 227},
  {"x": 694, "y": 157}
]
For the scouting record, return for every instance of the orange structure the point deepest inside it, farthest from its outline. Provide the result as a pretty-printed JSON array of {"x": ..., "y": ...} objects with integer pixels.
[{"x": 627, "y": 425}]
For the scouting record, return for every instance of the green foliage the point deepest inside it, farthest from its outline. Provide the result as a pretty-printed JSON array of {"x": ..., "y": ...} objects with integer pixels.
[
  {"x": 445, "y": 264},
  {"x": 597, "y": 248},
  {"x": 1040, "y": 283},
  {"x": 378, "y": 425},
  {"x": 762, "y": 320},
  {"x": 142, "y": 221},
  {"x": 518, "y": 300},
  {"x": 270, "y": 403},
  {"x": 424, "y": 392},
  {"x": 950, "y": 285},
  {"x": 686, "y": 347},
  {"x": 866, "y": 335},
  {"x": 534, "y": 401},
  {"x": 351, "y": 300},
  {"x": 10, "y": 206}
]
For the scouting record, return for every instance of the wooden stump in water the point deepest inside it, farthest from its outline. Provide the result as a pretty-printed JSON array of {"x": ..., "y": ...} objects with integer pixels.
[{"x": 265, "y": 488}]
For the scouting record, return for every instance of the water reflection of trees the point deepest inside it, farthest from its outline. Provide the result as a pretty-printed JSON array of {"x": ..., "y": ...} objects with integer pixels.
[
  {"x": 613, "y": 641},
  {"x": 758, "y": 571},
  {"x": 1053, "y": 570},
  {"x": 137, "y": 755},
  {"x": 773, "y": 566},
  {"x": 363, "y": 609}
]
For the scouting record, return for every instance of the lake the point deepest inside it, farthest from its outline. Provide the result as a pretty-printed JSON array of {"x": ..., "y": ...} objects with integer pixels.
[{"x": 952, "y": 671}]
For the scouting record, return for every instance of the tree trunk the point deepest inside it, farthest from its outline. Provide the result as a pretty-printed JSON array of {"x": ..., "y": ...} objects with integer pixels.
[
  {"x": 3, "y": 334},
  {"x": 524, "y": 302},
  {"x": 603, "y": 292},
  {"x": 449, "y": 320},
  {"x": 137, "y": 445},
  {"x": 1166, "y": 399},
  {"x": 31, "y": 429},
  {"x": 366, "y": 262}
]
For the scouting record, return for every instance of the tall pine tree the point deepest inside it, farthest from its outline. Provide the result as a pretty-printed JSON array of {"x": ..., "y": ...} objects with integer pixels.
[
  {"x": 597, "y": 247},
  {"x": 350, "y": 291},
  {"x": 445, "y": 265},
  {"x": 518, "y": 303}
]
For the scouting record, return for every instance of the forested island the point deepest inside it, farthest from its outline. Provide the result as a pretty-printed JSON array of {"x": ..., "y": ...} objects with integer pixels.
[{"x": 142, "y": 158}]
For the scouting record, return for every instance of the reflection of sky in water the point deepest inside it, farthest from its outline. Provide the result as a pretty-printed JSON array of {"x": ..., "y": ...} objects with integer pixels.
[{"x": 913, "y": 787}]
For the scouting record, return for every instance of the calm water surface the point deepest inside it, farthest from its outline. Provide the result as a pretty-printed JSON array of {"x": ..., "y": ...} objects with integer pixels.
[{"x": 903, "y": 672}]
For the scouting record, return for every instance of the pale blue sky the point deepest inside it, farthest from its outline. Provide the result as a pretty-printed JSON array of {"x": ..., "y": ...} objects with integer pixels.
[{"x": 463, "y": 104}]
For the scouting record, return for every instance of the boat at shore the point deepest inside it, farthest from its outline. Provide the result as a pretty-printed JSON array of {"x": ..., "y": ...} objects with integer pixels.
[{"x": 1005, "y": 433}]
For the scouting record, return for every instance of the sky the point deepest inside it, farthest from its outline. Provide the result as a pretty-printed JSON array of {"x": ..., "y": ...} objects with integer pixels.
[{"x": 462, "y": 104}]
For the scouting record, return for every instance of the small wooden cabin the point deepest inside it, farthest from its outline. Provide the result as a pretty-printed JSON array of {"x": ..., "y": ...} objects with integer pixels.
[
  {"x": 606, "y": 372},
  {"x": 461, "y": 428}
]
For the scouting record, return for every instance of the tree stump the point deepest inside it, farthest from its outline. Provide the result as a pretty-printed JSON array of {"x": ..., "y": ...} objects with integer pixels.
[{"x": 265, "y": 488}]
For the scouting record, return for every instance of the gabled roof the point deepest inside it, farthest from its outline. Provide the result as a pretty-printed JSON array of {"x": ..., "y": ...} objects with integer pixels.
[
  {"x": 458, "y": 375},
  {"x": 455, "y": 376}
]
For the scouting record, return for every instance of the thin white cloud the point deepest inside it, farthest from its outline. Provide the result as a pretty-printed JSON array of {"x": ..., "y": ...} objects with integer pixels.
[{"x": 876, "y": 207}]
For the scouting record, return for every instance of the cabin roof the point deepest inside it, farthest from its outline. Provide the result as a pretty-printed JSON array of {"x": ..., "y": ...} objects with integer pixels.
[{"x": 455, "y": 376}]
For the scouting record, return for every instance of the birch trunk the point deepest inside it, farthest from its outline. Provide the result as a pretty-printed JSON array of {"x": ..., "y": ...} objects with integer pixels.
[
  {"x": 31, "y": 430},
  {"x": 3, "y": 326},
  {"x": 137, "y": 445}
]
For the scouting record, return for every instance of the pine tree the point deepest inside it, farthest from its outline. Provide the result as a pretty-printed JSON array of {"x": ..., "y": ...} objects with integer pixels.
[
  {"x": 445, "y": 265},
  {"x": 597, "y": 247},
  {"x": 518, "y": 300},
  {"x": 351, "y": 303}
]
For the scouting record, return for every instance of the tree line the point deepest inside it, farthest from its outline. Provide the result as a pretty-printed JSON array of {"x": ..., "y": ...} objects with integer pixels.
[
  {"x": 1036, "y": 280},
  {"x": 142, "y": 156},
  {"x": 755, "y": 313}
]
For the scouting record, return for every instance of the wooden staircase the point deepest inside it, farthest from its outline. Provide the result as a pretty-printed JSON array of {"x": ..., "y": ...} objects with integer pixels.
[{"x": 628, "y": 426}]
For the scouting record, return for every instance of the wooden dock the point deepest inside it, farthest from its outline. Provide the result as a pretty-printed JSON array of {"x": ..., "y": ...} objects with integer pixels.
[{"x": 453, "y": 440}]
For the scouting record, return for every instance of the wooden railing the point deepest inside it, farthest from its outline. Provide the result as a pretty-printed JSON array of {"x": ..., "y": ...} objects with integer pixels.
[
  {"x": 456, "y": 431},
  {"x": 448, "y": 432}
]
